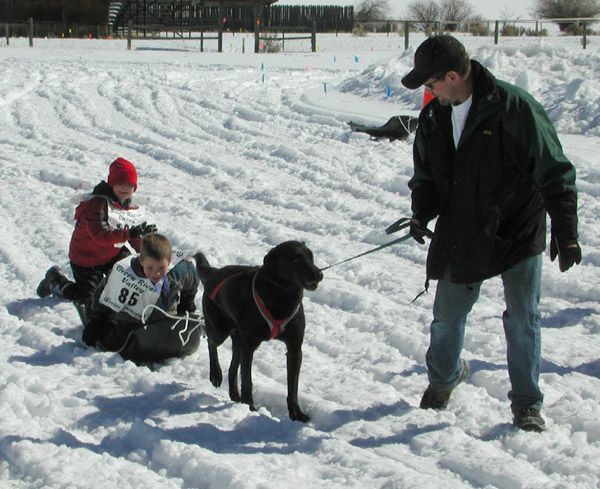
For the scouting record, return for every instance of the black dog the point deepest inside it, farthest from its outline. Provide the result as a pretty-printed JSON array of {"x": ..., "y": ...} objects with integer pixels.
[{"x": 254, "y": 304}]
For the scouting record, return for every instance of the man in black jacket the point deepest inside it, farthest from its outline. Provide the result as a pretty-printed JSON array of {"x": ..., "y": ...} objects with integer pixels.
[{"x": 488, "y": 164}]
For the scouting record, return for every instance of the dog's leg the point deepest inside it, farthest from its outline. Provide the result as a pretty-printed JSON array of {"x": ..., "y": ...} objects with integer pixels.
[
  {"x": 294, "y": 360},
  {"x": 234, "y": 393},
  {"x": 216, "y": 375},
  {"x": 217, "y": 331},
  {"x": 247, "y": 354}
]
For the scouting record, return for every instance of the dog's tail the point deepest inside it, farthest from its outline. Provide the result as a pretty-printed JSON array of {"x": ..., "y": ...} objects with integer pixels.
[{"x": 203, "y": 267}]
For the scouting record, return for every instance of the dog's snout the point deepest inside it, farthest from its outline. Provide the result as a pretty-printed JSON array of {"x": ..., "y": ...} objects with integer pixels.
[{"x": 313, "y": 278}]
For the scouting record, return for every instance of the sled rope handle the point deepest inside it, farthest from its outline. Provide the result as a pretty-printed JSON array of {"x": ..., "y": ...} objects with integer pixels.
[
  {"x": 405, "y": 126},
  {"x": 187, "y": 318}
]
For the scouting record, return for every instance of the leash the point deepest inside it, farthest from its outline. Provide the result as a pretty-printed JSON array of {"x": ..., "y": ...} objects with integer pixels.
[
  {"x": 397, "y": 226},
  {"x": 392, "y": 228}
]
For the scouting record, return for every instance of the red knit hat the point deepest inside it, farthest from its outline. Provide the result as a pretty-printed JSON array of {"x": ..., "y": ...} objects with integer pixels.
[{"x": 122, "y": 171}]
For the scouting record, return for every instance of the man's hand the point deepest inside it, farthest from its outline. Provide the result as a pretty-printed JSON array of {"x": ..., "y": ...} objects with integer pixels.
[
  {"x": 568, "y": 252},
  {"x": 419, "y": 232}
]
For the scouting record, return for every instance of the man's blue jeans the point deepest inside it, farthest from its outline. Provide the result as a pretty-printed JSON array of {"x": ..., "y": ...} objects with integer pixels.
[{"x": 521, "y": 319}]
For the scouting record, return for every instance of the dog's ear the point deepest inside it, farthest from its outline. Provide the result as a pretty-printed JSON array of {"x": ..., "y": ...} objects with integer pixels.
[{"x": 268, "y": 257}]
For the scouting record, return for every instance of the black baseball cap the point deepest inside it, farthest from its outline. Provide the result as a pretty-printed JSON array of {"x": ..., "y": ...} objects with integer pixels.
[{"x": 435, "y": 55}]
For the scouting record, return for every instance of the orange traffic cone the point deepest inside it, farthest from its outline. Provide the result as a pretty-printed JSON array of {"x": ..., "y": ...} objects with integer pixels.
[{"x": 427, "y": 97}]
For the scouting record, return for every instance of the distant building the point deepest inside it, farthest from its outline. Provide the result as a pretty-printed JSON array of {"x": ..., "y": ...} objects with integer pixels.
[
  {"x": 67, "y": 11},
  {"x": 101, "y": 18}
]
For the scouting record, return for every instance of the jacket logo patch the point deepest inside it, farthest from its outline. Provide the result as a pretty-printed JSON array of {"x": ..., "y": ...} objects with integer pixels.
[{"x": 487, "y": 132}]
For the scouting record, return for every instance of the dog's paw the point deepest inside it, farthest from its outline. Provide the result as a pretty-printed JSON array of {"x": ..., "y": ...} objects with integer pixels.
[
  {"x": 297, "y": 415},
  {"x": 216, "y": 378}
]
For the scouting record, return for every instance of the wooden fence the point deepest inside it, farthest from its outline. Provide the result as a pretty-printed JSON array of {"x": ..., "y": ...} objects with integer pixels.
[
  {"x": 240, "y": 19},
  {"x": 482, "y": 27},
  {"x": 33, "y": 29},
  {"x": 56, "y": 30}
]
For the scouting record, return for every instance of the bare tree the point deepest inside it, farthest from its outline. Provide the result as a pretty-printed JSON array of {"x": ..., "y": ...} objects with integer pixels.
[
  {"x": 506, "y": 14},
  {"x": 372, "y": 10},
  {"x": 455, "y": 12},
  {"x": 425, "y": 11},
  {"x": 561, "y": 9}
]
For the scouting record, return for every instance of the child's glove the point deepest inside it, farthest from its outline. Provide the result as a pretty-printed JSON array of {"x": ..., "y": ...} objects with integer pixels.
[{"x": 141, "y": 230}]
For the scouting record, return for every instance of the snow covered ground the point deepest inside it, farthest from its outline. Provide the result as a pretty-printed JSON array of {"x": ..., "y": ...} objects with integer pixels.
[{"x": 236, "y": 153}]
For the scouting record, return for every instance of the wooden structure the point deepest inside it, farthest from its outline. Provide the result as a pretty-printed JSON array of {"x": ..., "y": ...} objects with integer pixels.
[
  {"x": 66, "y": 11},
  {"x": 172, "y": 18},
  {"x": 56, "y": 18},
  {"x": 184, "y": 16}
]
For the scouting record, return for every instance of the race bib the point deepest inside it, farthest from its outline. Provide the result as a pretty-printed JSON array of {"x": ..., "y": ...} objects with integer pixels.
[
  {"x": 177, "y": 256},
  {"x": 126, "y": 292},
  {"x": 123, "y": 219}
]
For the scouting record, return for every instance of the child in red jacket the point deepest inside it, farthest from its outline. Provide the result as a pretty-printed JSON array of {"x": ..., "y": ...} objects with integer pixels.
[{"x": 106, "y": 223}]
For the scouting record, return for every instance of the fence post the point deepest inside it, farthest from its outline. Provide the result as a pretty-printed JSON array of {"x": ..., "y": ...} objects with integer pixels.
[
  {"x": 7, "y": 34},
  {"x": 129, "y": 35},
  {"x": 388, "y": 28},
  {"x": 496, "y": 33},
  {"x": 584, "y": 35},
  {"x": 201, "y": 41},
  {"x": 256, "y": 29},
  {"x": 243, "y": 45},
  {"x": 220, "y": 28},
  {"x": 313, "y": 38},
  {"x": 30, "y": 32},
  {"x": 406, "y": 34}
]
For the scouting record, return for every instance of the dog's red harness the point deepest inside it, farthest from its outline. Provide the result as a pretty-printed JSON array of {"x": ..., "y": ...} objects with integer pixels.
[
  {"x": 277, "y": 326},
  {"x": 219, "y": 286}
]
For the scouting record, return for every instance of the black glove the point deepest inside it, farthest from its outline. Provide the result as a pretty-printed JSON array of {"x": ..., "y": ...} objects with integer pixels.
[
  {"x": 183, "y": 308},
  {"x": 418, "y": 231},
  {"x": 186, "y": 302},
  {"x": 567, "y": 250},
  {"x": 141, "y": 230}
]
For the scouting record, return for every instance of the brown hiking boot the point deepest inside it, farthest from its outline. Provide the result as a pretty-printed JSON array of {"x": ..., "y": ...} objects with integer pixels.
[
  {"x": 529, "y": 419},
  {"x": 436, "y": 399}
]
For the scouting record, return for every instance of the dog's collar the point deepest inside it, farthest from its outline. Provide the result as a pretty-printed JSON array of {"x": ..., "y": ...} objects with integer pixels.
[
  {"x": 268, "y": 278},
  {"x": 277, "y": 326}
]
